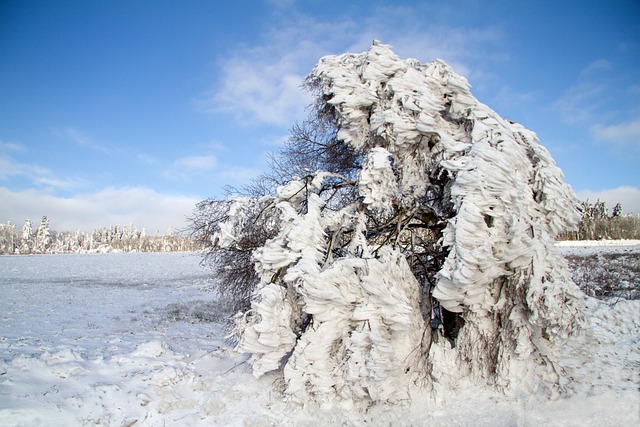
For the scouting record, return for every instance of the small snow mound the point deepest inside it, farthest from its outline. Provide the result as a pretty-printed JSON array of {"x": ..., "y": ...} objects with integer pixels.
[{"x": 152, "y": 349}]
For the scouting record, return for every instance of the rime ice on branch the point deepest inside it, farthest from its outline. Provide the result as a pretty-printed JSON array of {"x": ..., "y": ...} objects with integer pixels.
[{"x": 452, "y": 221}]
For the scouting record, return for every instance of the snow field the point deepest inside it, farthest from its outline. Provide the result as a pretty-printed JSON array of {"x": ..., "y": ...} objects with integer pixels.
[{"x": 107, "y": 340}]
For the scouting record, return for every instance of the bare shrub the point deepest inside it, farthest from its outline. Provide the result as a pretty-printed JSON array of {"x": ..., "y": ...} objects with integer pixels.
[{"x": 607, "y": 276}]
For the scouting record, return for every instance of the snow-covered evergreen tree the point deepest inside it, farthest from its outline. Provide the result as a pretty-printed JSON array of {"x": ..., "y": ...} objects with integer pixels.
[{"x": 437, "y": 245}]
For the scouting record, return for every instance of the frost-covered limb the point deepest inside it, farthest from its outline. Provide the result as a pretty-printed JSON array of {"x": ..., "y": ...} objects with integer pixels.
[{"x": 231, "y": 231}]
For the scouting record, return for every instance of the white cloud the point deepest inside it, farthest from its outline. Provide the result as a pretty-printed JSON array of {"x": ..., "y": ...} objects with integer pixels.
[
  {"x": 604, "y": 106},
  {"x": 259, "y": 89},
  {"x": 82, "y": 139},
  {"x": 507, "y": 98},
  {"x": 629, "y": 197},
  {"x": 141, "y": 206},
  {"x": 187, "y": 167},
  {"x": 213, "y": 146},
  {"x": 145, "y": 158},
  {"x": 12, "y": 146},
  {"x": 206, "y": 162},
  {"x": 77, "y": 136},
  {"x": 625, "y": 134},
  {"x": 38, "y": 175},
  {"x": 580, "y": 102},
  {"x": 462, "y": 48},
  {"x": 595, "y": 67},
  {"x": 282, "y": 4},
  {"x": 263, "y": 84},
  {"x": 238, "y": 175}
]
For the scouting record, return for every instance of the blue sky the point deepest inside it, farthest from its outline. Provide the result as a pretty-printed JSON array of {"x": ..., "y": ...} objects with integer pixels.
[{"x": 114, "y": 112}]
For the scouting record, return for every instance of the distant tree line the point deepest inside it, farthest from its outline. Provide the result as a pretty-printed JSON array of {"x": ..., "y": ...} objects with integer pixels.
[
  {"x": 598, "y": 223},
  {"x": 42, "y": 240}
]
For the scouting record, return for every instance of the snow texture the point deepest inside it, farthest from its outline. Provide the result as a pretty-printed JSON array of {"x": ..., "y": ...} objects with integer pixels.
[
  {"x": 377, "y": 183},
  {"x": 85, "y": 341}
]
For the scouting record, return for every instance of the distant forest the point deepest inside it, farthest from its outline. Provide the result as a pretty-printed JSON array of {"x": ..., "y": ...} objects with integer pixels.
[
  {"x": 598, "y": 223},
  {"x": 41, "y": 240}
]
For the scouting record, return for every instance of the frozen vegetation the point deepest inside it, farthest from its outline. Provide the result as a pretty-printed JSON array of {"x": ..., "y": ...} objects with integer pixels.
[
  {"x": 42, "y": 240},
  {"x": 137, "y": 339},
  {"x": 414, "y": 243},
  {"x": 605, "y": 269}
]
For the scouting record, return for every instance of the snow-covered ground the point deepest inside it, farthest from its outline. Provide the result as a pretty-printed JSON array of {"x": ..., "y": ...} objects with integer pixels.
[
  {"x": 137, "y": 339},
  {"x": 598, "y": 247}
]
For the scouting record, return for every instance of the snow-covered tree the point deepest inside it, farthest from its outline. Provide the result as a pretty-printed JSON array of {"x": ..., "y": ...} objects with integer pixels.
[
  {"x": 617, "y": 210},
  {"x": 426, "y": 252},
  {"x": 43, "y": 236},
  {"x": 8, "y": 238},
  {"x": 26, "y": 241}
]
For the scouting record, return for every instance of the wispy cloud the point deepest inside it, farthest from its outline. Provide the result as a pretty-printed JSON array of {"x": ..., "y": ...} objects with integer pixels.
[
  {"x": 262, "y": 87},
  {"x": 508, "y": 98},
  {"x": 213, "y": 146},
  {"x": 82, "y": 139},
  {"x": 36, "y": 174},
  {"x": 625, "y": 134},
  {"x": 200, "y": 163},
  {"x": 580, "y": 102},
  {"x": 262, "y": 84},
  {"x": 12, "y": 146},
  {"x": 595, "y": 67},
  {"x": 144, "y": 207},
  {"x": 188, "y": 167},
  {"x": 281, "y": 4},
  {"x": 58, "y": 183},
  {"x": 627, "y": 46},
  {"x": 467, "y": 50},
  {"x": 602, "y": 104},
  {"x": 237, "y": 175},
  {"x": 146, "y": 159},
  {"x": 589, "y": 98}
]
